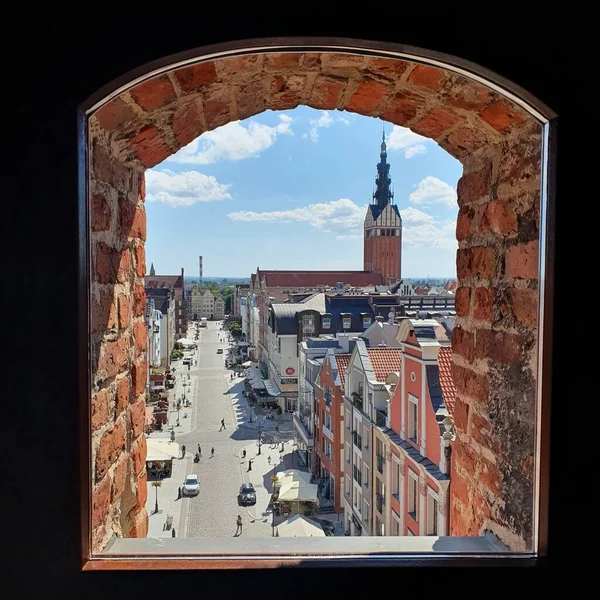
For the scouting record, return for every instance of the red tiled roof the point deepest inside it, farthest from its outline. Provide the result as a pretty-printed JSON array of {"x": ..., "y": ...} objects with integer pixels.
[
  {"x": 451, "y": 285},
  {"x": 162, "y": 281},
  {"x": 384, "y": 361},
  {"x": 320, "y": 278},
  {"x": 446, "y": 378},
  {"x": 421, "y": 291},
  {"x": 342, "y": 361}
]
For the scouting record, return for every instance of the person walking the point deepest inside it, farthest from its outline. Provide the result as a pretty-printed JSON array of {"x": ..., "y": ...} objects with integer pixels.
[
  {"x": 222, "y": 425},
  {"x": 199, "y": 451},
  {"x": 183, "y": 451},
  {"x": 212, "y": 452},
  {"x": 239, "y": 525}
]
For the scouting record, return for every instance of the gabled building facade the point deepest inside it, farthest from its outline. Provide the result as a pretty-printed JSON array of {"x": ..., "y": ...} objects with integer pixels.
[
  {"x": 415, "y": 444},
  {"x": 175, "y": 284},
  {"x": 371, "y": 376},
  {"x": 329, "y": 431},
  {"x": 289, "y": 324}
]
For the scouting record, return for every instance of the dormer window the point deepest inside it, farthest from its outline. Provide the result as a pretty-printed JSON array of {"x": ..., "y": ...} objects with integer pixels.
[
  {"x": 326, "y": 323},
  {"x": 346, "y": 322},
  {"x": 366, "y": 322}
]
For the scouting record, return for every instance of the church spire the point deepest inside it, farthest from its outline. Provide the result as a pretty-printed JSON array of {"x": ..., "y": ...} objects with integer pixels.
[
  {"x": 152, "y": 272},
  {"x": 383, "y": 194}
]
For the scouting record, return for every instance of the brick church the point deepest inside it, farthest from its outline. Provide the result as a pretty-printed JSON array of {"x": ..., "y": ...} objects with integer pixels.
[{"x": 383, "y": 227}]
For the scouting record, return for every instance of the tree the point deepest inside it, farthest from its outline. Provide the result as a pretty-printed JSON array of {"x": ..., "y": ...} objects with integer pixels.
[{"x": 235, "y": 330}]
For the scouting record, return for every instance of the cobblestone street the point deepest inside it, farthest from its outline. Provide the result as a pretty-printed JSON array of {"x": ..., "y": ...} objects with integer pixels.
[{"x": 213, "y": 512}]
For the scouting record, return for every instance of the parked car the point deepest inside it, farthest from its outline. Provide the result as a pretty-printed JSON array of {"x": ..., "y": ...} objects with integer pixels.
[
  {"x": 191, "y": 485},
  {"x": 247, "y": 495},
  {"x": 220, "y": 351},
  {"x": 328, "y": 526},
  {"x": 187, "y": 361}
]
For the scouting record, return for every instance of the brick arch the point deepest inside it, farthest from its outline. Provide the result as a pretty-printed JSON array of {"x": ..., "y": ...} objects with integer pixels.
[{"x": 498, "y": 144}]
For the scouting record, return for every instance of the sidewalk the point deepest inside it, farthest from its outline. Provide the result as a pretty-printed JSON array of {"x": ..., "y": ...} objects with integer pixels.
[
  {"x": 246, "y": 415},
  {"x": 168, "y": 504}
]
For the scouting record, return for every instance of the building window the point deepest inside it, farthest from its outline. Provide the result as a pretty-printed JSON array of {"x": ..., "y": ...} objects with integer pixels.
[
  {"x": 413, "y": 486},
  {"x": 412, "y": 418},
  {"x": 327, "y": 394},
  {"x": 279, "y": 345},
  {"x": 366, "y": 322},
  {"x": 413, "y": 377},
  {"x": 365, "y": 514},
  {"x": 348, "y": 452},
  {"x": 365, "y": 437},
  {"x": 326, "y": 322},
  {"x": 432, "y": 514},
  {"x": 348, "y": 488},
  {"x": 395, "y": 524},
  {"x": 346, "y": 322},
  {"x": 396, "y": 480},
  {"x": 356, "y": 474},
  {"x": 367, "y": 476},
  {"x": 327, "y": 421}
]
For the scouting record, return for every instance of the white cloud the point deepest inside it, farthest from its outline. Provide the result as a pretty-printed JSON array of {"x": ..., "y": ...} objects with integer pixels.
[
  {"x": 183, "y": 189},
  {"x": 422, "y": 230},
  {"x": 325, "y": 120},
  {"x": 233, "y": 141},
  {"x": 337, "y": 215},
  {"x": 414, "y": 215},
  {"x": 407, "y": 141},
  {"x": 432, "y": 190}
]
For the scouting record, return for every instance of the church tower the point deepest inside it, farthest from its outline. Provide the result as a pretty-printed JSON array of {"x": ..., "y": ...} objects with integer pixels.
[{"x": 383, "y": 226}]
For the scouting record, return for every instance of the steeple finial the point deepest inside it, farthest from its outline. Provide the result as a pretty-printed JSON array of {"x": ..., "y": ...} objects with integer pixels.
[
  {"x": 152, "y": 272},
  {"x": 383, "y": 194}
]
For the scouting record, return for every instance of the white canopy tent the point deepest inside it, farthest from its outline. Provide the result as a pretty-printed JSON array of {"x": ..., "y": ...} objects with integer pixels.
[
  {"x": 185, "y": 342},
  {"x": 295, "y": 485},
  {"x": 299, "y": 526},
  {"x": 161, "y": 450}
]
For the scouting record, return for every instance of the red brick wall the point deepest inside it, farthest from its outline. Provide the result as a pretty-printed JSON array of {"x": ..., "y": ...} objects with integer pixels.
[{"x": 498, "y": 197}]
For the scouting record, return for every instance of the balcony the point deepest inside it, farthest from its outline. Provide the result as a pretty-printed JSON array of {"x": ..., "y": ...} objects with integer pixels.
[
  {"x": 302, "y": 429},
  {"x": 380, "y": 418},
  {"x": 357, "y": 400},
  {"x": 380, "y": 462},
  {"x": 357, "y": 440}
]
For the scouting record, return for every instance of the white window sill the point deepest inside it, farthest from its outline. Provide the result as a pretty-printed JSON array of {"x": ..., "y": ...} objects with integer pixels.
[{"x": 247, "y": 548}]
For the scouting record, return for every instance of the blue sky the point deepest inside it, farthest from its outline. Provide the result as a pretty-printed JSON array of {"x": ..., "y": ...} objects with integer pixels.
[{"x": 289, "y": 190}]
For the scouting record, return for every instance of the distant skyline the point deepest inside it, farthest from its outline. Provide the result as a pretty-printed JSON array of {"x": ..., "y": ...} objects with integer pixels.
[{"x": 288, "y": 190}]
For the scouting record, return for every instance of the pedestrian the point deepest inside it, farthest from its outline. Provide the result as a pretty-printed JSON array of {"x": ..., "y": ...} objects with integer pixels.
[
  {"x": 199, "y": 451},
  {"x": 183, "y": 451},
  {"x": 239, "y": 524},
  {"x": 222, "y": 425},
  {"x": 243, "y": 455},
  {"x": 212, "y": 452},
  {"x": 269, "y": 460}
]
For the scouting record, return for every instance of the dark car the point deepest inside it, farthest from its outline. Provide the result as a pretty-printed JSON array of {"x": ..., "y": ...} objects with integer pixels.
[
  {"x": 247, "y": 495},
  {"x": 328, "y": 526}
]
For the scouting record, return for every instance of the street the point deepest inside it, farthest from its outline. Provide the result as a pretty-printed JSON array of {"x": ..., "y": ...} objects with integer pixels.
[{"x": 214, "y": 397}]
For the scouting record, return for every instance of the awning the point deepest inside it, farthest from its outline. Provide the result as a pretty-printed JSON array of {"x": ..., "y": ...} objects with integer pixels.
[
  {"x": 247, "y": 364},
  {"x": 149, "y": 415},
  {"x": 299, "y": 526},
  {"x": 158, "y": 388},
  {"x": 271, "y": 387},
  {"x": 161, "y": 450},
  {"x": 257, "y": 384},
  {"x": 295, "y": 485}
]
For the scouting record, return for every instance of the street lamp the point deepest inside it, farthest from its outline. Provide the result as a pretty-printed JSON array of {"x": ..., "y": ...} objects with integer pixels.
[
  {"x": 258, "y": 436},
  {"x": 156, "y": 485}
]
